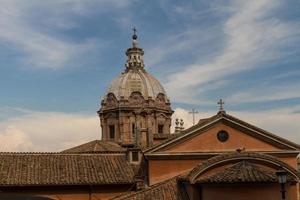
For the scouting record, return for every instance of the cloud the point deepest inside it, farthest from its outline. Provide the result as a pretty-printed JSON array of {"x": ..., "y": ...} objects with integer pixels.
[
  {"x": 279, "y": 122},
  {"x": 13, "y": 139},
  {"x": 171, "y": 44},
  {"x": 47, "y": 131},
  {"x": 37, "y": 40},
  {"x": 252, "y": 35},
  {"x": 55, "y": 131},
  {"x": 181, "y": 113},
  {"x": 274, "y": 93},
  {"x": 282, "y": 122},
  {"x": 84, "y": 8}
]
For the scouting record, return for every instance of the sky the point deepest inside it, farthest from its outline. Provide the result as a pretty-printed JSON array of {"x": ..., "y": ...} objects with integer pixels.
[{"x": 57, "y": 58}]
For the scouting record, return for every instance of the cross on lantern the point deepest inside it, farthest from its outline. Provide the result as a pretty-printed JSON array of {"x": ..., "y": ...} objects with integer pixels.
[
  {"x": 134, "y": 31},
  {"x": 221, "y": 103}
]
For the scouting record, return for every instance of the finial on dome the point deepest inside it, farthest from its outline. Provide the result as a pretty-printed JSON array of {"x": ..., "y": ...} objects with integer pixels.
[{"x": 134, "y": 37}]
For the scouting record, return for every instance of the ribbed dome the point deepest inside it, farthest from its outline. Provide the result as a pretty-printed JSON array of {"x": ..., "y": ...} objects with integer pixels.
[{"x": 137, "y": 80}]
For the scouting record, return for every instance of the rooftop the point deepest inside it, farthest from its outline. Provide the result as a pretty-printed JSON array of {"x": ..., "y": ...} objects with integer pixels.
[
  {"x": 96, "y": 146},
  {"x": 31, "y": 169}
]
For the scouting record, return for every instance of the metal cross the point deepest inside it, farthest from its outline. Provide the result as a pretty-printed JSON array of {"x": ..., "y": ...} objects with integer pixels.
[
  {"x": 134, "y": 30},
  {"x": 221, "y": 103},
  {"x": 193, "y": 112}
]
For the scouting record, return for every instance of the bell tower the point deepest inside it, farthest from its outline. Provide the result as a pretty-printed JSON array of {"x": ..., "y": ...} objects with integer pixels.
[{"x": 135, "y": 107}]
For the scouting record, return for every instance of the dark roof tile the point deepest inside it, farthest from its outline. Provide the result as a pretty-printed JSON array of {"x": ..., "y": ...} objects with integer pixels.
[
  {"x": 240, "y": 172},
  {"x": 64, "y": 169},
  {"x": 169, "y": 189},
  {"x": 96, "y": 146},
  {"x": 239, "y": 156}
]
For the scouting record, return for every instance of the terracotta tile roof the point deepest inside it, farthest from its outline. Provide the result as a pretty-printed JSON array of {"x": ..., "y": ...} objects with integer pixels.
[
  {"x": 166, "y": 190},
  {"x": 240, "y": 173},
  {"x": 141, "y": 169},
  {"x": 159, "y": 136},
  {"x": 238, "y": 157},
  {"x": 96, "y": 146},
  {"x": 25, "y": 169}
]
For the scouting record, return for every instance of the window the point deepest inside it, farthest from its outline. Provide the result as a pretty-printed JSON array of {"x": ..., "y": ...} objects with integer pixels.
[
  {"x": 222, "y": 136},
  {"x": 112, "y": 131},
  {"x": 133, "y": 129},
  {"x": 135, "y": 156},
  {"x": 160, "y": 128}
]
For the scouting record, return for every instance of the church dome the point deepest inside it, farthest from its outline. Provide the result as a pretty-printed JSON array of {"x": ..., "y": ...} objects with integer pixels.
[
  {"x": 135, "y": 106},
  {"x": 136, "y": 78},
  {"x": 136, "y": 81}
]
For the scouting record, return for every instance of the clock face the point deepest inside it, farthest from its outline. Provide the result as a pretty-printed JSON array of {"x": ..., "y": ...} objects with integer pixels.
[{"x": 222, "y": 136}]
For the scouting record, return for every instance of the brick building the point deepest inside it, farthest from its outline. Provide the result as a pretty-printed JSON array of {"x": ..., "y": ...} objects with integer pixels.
[{"x": 221, "y": 157}]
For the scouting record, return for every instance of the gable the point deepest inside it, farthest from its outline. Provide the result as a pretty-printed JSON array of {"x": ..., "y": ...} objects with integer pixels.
[
  {"x": 207, "y": 141},
  {"x": 202, "y": 137}
]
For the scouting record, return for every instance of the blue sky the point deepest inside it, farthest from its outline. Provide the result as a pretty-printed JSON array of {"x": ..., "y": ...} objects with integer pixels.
[{"x": 57, "y": 58}]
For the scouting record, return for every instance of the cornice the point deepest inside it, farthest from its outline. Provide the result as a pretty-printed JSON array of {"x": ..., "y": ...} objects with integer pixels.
[{"x": 207, "y": 155}]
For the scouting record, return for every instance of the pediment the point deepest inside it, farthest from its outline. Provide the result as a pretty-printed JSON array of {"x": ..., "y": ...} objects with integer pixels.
[{"x": 221, "y": 133}]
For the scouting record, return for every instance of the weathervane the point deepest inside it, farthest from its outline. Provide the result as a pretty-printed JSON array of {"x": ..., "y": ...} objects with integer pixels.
[{"x": 193, "y": 112}]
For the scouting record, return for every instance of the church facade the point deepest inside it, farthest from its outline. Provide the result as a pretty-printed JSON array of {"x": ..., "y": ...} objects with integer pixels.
[{"x": 220, "y": 157}]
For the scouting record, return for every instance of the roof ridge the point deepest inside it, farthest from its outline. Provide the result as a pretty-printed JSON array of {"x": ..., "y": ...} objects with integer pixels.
[
  {"x": 184, "y": 132},
  {"x": 264, "y": 131},
  {"x": 152, "y": 187},
  {"x": 239, "y": 156},
  {"x": 242, "y": 171},
  {"x": 96, "y": 146}
]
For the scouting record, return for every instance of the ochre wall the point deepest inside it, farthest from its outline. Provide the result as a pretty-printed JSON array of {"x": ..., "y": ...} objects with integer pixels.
[
  {"x": 71, "y": 193},
  {"x": 292, "y": 161},
  {"x": 167, "y": 167},
  {"x": 208, "y": 141},
  {"x": 246, "y": 192},
  {"x": 160, "y": 170}
]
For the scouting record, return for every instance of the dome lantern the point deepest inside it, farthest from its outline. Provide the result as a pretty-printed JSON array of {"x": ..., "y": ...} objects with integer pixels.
[{"x": 135, "y": 59}]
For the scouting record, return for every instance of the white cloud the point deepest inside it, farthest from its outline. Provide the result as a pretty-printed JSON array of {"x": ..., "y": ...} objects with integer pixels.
[
  {"x": 13, "y": 139},
  {"x": 40, "y": 46},
  {"x": 47, "y": 131},
  {"x": 282, "y": 122},
  {"x": 52, "y": 131},
  {"x": 260, "y": 94},
  {"x": 180, "y": 113},
  {"x": 252, "y": 35},
  {"x": 86, "y": 7},
  {"x": 183, "y": 41}
]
